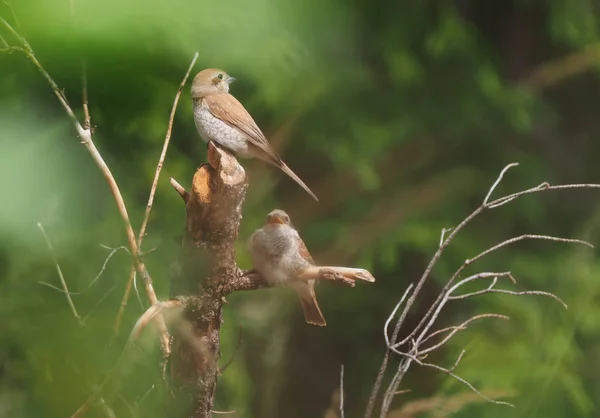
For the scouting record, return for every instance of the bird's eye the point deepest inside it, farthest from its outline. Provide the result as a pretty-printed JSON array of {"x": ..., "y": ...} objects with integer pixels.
[{"x": 220, "y": 76}]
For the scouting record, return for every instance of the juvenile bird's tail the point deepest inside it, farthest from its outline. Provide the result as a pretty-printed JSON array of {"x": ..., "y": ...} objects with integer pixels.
[{"x": 312, "y": 312}]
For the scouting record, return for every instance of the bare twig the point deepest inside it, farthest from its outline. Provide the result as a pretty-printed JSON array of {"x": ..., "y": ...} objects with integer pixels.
[
  {"x": 185, "y": 195},
  {"x": 113, "y": 251},
  {"x": 63, "y": 282},
  {"x": 498, "y": 180},
  {"x": 108, "y": 411},
  {"x": 441, "y": 406},
  {"x": 163, "y": 153},
  {"x": 421, "y": 332},
  {"x": 159, "y": 166},
  {"x": 451, "y": 374},
  {"x": 468, "y": 262},
  {"x": 95, "y": 279},
  {"x": 386, "y": 357},
  {"x": 542, "y": 187},
  {"x": 437, "y": 306},
  {"x": 387, "y": 322},
  {"x": 444, "y": 230},
  {"x": 87, "y": 120},
  {"x": 511, "y": 292},
  {"x": 523, "y": 237},
  {"x": 116, "y": 372},
  {"x": 98, "y": 303},
  {"x": 125, "y": 298},
  {"x": 453, "y": 330},
  {"x": 139, "y": 401},
  {"x": 342, "y": 391},
  {"x": 151, "y": 313},
  {"x": 237, "y": 347}
]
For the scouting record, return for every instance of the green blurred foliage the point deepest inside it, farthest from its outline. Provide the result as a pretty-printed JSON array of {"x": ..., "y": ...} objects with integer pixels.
[{"x": 399, "y": 116}]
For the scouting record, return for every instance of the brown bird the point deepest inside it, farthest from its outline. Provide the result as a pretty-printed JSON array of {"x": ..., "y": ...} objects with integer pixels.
[
  {"x": 220, "y": 117},
  {"x": 280, "y": 256}
]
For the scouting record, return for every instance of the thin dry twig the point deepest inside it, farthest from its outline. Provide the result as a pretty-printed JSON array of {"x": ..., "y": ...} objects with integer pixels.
[
  {"x": 163, "y": 153},
  {"x": 451, "y": 374},
  {"x": 498, "y": 180},
  {"x": 95, "y": 279},
  {"x": 342, "y": 391},
  {"x": 63, "y": 282},
  {"x": 152, "y": 313},
  {"x": 444, "y": 230},
  {"x": 237, "y": 347},
  {"x": 523, "y": 237},
  {"x": 436, "y": 305},
  {"x": 511, "y": 292},
  {"x": 159, "y": 166},
  {"x": 386, "y": 356},
  {"x": 87, "y": 120},
  {"x": 387, "y": 322},
  {"x": 179, "y": 189},
  {"x": 98, "y": 303},
  {"x": 542, "y": 187},
  {"x": 453, "y": 330}
]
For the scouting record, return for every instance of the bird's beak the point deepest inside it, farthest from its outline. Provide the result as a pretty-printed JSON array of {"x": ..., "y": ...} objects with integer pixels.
[
  {"x": 275, "y": 220},
  {"x": 230, "y": 80}
]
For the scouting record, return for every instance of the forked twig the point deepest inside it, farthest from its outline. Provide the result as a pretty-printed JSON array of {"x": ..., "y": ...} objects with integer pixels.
[
  {"x": 63, "y": 282},
  {"x": 386, "y": 356},
  {"x": 95, "y": 279},
  {"x": 450, "y": 373},
  {"x": 421, "y": 332},
  {"x": 453, "y": 330}
]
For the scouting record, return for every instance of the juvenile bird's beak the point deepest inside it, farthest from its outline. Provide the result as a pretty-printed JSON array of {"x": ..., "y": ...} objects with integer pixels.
[
  {"x": 230, "y": 80},
  {"x": 274, "y": 220}
]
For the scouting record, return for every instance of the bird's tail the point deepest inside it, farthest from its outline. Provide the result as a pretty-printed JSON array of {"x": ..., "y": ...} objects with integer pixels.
[
  {"x": 293, "y": 175},
  {"x": 312, "y": 312}
]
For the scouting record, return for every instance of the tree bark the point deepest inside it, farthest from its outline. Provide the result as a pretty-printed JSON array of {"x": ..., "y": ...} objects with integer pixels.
[{"x": 206, "y": 272}]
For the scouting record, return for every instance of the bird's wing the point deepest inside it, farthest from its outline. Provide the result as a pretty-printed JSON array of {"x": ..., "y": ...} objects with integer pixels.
[
  {"x": 227, "y": 108},
  {"x": 303, "y": 251}
]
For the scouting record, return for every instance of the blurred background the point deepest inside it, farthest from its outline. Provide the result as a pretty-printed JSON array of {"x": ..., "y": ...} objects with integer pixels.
[{"x": 399, "y": 115}]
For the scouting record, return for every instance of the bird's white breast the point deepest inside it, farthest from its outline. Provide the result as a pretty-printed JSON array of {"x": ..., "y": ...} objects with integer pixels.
[
  {"x": 212, "y": 128},
  {"x": 274, "y": 255}
]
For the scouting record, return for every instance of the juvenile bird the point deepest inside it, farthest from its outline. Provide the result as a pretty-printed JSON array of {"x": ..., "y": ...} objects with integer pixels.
[
  {"x": 280, "y": 256},
  {"x": 220, "y": 117}
]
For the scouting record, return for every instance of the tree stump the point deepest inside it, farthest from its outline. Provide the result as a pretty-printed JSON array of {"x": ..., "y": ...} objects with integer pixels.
[{"x": 206, "y": 272}]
